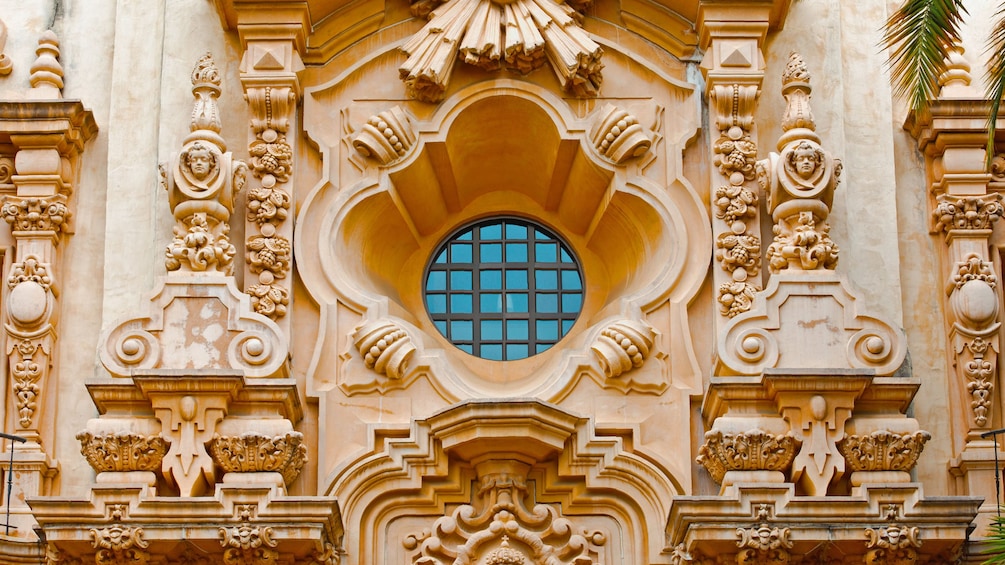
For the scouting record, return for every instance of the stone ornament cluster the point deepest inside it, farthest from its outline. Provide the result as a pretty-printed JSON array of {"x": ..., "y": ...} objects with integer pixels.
[
  {"x": 755, "y": 450},
  {"x": 617, "y": 135},
  {"x": 385, "y": 348},
  {"x": 738, "y": 243},
  {"x": 269, "y": 254},
  {"x": 253, "y": 452},
  {"x": 623, "y": 346},
  {"x": 122, "y": 451},
  {"x": 521, "y": 35},
  {"x": 386, "y": 137},
  {"x": 202, "y": 182}
]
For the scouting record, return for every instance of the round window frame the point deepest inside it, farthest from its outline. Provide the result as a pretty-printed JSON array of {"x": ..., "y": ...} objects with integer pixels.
[{"x": 532, "y": 314}]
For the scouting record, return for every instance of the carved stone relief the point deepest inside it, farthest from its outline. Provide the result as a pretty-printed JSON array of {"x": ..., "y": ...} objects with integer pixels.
[
  {"x": 122, "y": 451},
  {"x": 883, "y": 450},
  {"x": 755, "y": 450},
  {"x": 6, "y": 65},
  {"x": 617, "y": 135},
  {"x": 385, "y": 137},
  {"x": 520, "y": 36}
]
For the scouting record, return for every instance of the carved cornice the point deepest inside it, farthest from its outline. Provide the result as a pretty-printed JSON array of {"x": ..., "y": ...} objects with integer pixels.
[{"x": 122, "y": 451}]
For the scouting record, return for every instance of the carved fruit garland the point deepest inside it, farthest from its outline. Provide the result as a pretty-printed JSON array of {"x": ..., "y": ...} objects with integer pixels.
[
  {"x": 269, "y": 253},
  {"x": 735, "y": 204}
]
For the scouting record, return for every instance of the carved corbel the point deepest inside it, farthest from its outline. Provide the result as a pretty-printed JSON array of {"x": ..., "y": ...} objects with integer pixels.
[
  {"x": 617, "y": 135},
  {"x": 892, "y": 545},
  {"x": 755, "y": 450},
  {"x": 763, "y": 544},
  {"x": 118, "y": 544},
  {"x": 386, "y": 137},
  {"x": 248, "y": 544},
  {"x": 202, "y": 183}
]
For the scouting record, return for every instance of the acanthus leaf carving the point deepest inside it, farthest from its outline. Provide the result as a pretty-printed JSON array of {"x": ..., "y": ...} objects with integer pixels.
[
  {"x": 35, "y": 214},
  {"x": 385, "y": 137},
  {"x": 120, "y": 545},
  {"x": 254, "y": 453},
  {"x": 967, "y": 212},
  {"x": 122, "y": 451},
  {"x": 618, "y": 135},
  {"x": 521, "y": 36},
  {"x": 802, "y": 242},
  {"x": 883, "y": 450},
  {"x": 755, "y": 450}
]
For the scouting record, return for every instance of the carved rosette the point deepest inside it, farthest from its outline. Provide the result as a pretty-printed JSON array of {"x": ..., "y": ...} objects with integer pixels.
[
  {"x": 755, "y": 450},
  {"x": 268, "y": 254},
  {"x": 623, "y": 346},
  {"x": 385, "y": 137},
  {"x": 120, "y": 545},
  {"x": 521, "y": 35},
  {"x": 503, "y": 531},
  {"x": 763, "y": 544},
  {"x": 617, "y": 135},
  {"x": 385, "y": 347},
  {"x": 738, "y": 243},
  {"x": 122, "y": 451},
  {"x": 256, "y": 453},
  {"x": 883, "y": 450},
  {"x": 202, "y": 182},
  {"x": 892, "y": 545}
]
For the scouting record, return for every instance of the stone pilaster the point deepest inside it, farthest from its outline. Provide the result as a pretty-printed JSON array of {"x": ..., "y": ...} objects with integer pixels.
[{"x": 46, "y": 136}]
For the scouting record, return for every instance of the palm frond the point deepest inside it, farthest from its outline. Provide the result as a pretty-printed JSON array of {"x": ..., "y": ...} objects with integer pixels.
[
  {"x": 995, "y": 75},
  {"x": 996, "y": 537},
  {"x": 919, "y": 36}
]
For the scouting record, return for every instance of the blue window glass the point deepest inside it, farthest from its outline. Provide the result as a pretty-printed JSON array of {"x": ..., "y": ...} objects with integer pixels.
[{"x": 503, "y": 289}]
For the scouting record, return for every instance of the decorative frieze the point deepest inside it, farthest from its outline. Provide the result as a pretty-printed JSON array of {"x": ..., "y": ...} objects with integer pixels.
[
  {"x": 521, "y": 36},
  {"x": 122, "y": 451},
  {"x": 883, "y": 450},
  {"x": 755, "y": 450}
]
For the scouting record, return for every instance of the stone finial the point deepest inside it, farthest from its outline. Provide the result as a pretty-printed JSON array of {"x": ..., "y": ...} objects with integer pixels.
[
  {"x": 205, "y": 111},
  {"x": 6, "y": 65},
  {"x": 796, "y": 89},
  {"x": 46, "y": 72},
  {"x": 955, "y": 81}
]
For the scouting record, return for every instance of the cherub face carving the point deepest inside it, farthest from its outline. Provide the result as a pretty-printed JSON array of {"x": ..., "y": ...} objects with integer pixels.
[
  {"x": 805, "y": 159},
  {"x": 200, "y": 160}
]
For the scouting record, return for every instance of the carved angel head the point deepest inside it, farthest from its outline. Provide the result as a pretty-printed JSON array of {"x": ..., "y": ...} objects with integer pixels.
[
  {"x": 804, "y": 160},
  {"x": 199, "y": 161}
]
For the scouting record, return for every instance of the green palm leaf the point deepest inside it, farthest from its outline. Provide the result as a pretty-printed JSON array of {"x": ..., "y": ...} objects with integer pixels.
[
  {"x": 995, "y": 76},
  {"x": 996, "y": 537},
  {"x": 919, "y": 36}
]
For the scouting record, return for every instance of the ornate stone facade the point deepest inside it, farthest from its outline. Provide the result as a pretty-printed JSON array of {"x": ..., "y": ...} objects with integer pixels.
[{"x": 491, "y": 282}]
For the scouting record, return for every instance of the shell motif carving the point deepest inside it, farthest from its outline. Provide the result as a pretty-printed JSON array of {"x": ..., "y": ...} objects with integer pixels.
[
  {"x": 883, "y": 450},
  {"x": 618, "y": 136},
  {"x": 755, "y": 450},
  {"x": 623, "y": 346},
  {"x": 386, "y": 136},
  {"x": 385, "y": 348},
  {"x": 256, "y": 453},
  {"x": 122, "y": 451}
]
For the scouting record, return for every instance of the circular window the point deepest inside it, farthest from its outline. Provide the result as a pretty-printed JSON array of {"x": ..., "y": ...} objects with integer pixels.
[{"x": 503, "y": 289}]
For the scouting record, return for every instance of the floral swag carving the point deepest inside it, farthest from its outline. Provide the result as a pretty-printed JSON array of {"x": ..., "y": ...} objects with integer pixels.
[
  {"x": 520, "y": 35},
  {"x": 755, "y": 450},
  {"x": 122, "y": 451}
]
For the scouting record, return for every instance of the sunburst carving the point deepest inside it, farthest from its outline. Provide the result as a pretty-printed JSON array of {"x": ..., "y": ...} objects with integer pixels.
[{"x": 519, "y": 35}]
